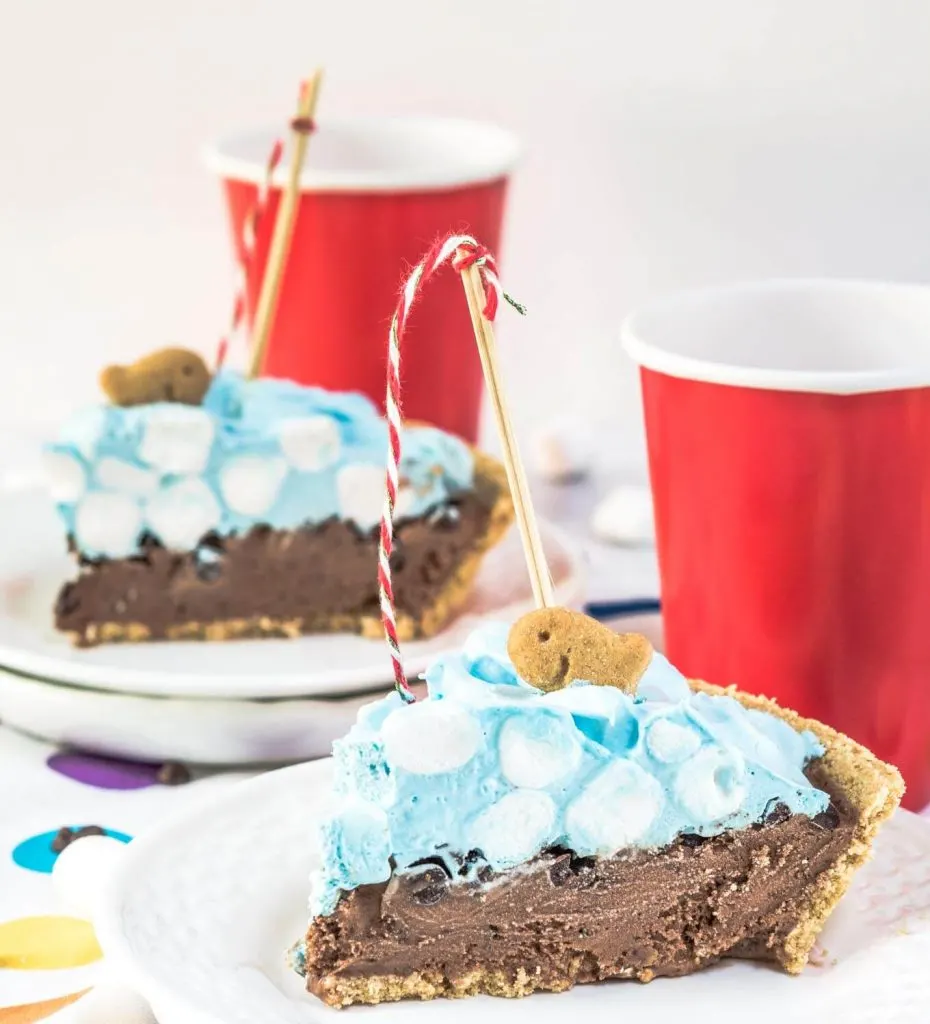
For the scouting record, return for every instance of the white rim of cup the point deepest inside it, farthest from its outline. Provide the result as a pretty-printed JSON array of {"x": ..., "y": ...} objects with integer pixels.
[
  {"x": 465, "y": 153},
  {"x": 639, "y": 325}
]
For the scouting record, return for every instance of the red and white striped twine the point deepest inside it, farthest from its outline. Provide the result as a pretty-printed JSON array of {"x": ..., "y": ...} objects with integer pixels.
[
  {"x": 249, "y": 234},
  {"x": 463, "y": 251}
]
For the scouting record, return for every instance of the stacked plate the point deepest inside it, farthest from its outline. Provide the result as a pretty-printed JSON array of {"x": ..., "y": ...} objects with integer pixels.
[{"x": 242, "y": 702}]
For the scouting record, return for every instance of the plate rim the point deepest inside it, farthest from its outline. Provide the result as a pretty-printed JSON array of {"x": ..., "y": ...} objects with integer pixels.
[
  {"x": 136, "y": 681},
  {"x": 117, "y": 950}
]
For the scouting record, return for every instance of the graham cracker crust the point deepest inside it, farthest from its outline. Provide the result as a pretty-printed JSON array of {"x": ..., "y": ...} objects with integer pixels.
[{"x": 871, "y": 788}]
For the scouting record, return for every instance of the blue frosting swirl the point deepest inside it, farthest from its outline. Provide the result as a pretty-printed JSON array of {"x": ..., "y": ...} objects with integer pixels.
[
  {"x": 260, "y": 451},
  {"x": 489, "y": 763}
]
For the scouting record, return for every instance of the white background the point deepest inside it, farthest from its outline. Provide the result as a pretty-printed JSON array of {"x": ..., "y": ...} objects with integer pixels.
[{"x": 670, "y": 143}]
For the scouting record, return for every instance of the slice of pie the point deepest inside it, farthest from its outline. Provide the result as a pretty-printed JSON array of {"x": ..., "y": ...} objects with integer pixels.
[
  {"x": 496, "y": 838},
  {"x": 219, "y": 508}
]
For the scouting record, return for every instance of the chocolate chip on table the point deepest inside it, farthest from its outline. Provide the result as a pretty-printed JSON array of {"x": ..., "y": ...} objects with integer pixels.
[
  {"x": 172, "y": 773},
  {"x": 65, "y": 836}
]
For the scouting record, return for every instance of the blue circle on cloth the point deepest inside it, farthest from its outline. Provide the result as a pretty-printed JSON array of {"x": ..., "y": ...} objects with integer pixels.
[{"x": 36, "y": 853}]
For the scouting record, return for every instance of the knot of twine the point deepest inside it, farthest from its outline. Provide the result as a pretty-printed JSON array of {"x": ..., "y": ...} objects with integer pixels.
[{"x": 463, "y": 252}]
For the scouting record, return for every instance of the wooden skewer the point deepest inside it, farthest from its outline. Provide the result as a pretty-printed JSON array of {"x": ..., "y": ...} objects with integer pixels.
[
  {"x": 283, "y": 228},
  {"x": 540, "y": 578}
]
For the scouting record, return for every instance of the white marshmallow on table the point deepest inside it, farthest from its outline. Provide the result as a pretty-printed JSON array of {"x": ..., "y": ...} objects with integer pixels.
[
  {"x": 535, "y": 752},
  {"x": 181, "y": 513},
  {"x": 120, "y": 475},
  {"x": 430, "y": 736},
  {"x": 614, "y": 810},
  {"x": 65, "y": 476},
  {"x": 563, "y": 450},
  {"x": 515, "y": 828},
  {"x": 361, "y": 494},
  {"x": 250, "y": 483},
  {"x": 711, "y": 785},
  {"x": 670, "y": 742},
  {"x": 177, "y": 438},
  {"x": 107, "y": 523},
  {"x": 310, "y": 443},
  {"x": 625, "y": 516},
  {"x": 82, "y": 872},
  {"x": 113, "y": 1004}
]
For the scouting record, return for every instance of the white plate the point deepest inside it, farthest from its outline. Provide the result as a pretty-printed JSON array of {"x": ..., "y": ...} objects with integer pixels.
[
  {"x": 199, "y": 730},
  {"x": 201, "y": 911},
  {"x": 33, "y": 565}
]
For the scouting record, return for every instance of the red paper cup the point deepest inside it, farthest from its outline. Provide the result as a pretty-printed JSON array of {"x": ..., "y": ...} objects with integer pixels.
[
  {"x": 375, "y": 194},
  {"x": 788, "y": 426}
]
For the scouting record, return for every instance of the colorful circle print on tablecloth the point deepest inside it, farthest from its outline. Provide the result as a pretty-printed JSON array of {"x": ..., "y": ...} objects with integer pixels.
[
  {"x": 47, "y": 943},
  {"x": 104, "y": 772},
  {"x": 30, "y": 1013},
  {"x": 36, "y": 853}
]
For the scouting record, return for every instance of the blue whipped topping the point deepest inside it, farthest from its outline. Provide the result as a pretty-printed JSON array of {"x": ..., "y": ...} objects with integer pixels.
[
  {"x": 489, "y": 771},
  {"x": 255, "y": 452}
]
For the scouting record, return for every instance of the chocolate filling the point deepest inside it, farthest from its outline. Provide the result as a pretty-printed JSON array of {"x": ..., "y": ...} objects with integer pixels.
[
  {"x": 564, "y": 919},
  {"x": 318, "y": 575}
]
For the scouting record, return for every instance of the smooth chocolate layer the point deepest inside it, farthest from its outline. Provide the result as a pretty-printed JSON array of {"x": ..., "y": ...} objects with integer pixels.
[
  {"x": 564, "y": 920},
  {"x": 319, "y": 578}
]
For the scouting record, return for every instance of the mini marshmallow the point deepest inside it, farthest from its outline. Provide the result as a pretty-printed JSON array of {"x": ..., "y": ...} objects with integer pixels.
[
  {"x": 430, "y": 736},
  {"x": 669, "y": 742},
  {"x": 177, "y": 438},
  {"x": 65, "y": 476},
  {"x": 538, "y": 751},
  {"x": 515, "y": 828},
  {"x": 120, "y": 475},
  {"x": 625, "y": 516},
  {"x": 361, "y": 494},
  {"x": 181, "y": 513},
  {"x": 310, "y": 443},
  {"x": 614, "y": 810},
  {"x": 107, "y": 523},
  {"x": 250, "y": 483},
  {"x": 563, "y": 450},
  {"x": 711, "y": 785},
  {"x": 83, "y": 870},
  {"x": 406, "y": 496}
]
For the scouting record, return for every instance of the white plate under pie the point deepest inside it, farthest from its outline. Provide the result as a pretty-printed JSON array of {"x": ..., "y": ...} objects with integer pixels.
[
  {"x": 204, "y": 730},
  {"x": 33, "y": 566},
  {"x": 202, "y": 909}
]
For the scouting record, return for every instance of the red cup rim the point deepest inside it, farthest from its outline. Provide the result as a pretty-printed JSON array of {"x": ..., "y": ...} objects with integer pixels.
[
  {"x": 794, "y": 334},
  {"x": 377, "y": 154}
]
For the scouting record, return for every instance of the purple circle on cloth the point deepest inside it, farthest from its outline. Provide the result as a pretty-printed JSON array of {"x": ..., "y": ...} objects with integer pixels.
[{"x": 104, "y": 772}]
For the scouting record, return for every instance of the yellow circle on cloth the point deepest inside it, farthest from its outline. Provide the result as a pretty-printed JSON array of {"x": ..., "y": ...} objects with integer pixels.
[
  {"x": 29, "y": 1013},
  {"x": 47, "y": 943}
]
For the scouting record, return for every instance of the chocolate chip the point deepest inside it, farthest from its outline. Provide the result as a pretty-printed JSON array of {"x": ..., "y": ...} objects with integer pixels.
[
  {"x": 434, "y": 861},
  {"x": 692, "y": 840},
  {"x": 65, "y": 836},
  {"x": 828, "y": 819},
  {"x": 777, "y": 814},
  {"x": 428, "y": 886},
  {"x": 560, "y": 873},
  {"x": 172, "y": 773}
]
